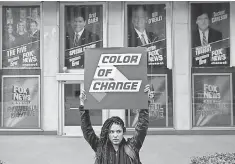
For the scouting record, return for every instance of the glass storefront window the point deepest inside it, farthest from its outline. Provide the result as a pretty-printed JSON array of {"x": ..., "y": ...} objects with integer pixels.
[
  {"x": 210, "y": 31},
  {"x": 21, "y": 37},
  {"x": 21, "y": 101},
  {"x": 72, "y": 102},
  {"x": 21, "y": 67},
  {"x": 146, "y": 27},
  {"x": 212, "y": 94},
  {"x": 83, "y": 29},
  {"x": 160, "y": 108},
  {"x": 212, "y": 100}
]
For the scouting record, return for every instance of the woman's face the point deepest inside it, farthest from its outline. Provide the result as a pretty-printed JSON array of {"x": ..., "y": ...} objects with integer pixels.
[
  {"x": 116, "y": 134},
  {"x": 21, "y": 27},
  {"x": 10, "y": 29}
]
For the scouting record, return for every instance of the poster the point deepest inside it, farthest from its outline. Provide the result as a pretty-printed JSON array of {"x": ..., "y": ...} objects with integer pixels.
[
  {"x": 21, "y": 101},
  {"x": 115, "y": 78},
  {"x": 158, "y": 106},
  {"x": 212, "y": 100},
  {"x": 84, "y": 29},
  {"x": 21, "y": 37},
  {"x": 147, "y": 28},
  {"x": 210, "y": 34}
]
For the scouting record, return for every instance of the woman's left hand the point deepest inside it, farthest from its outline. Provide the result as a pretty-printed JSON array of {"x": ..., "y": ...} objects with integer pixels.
[{"x": 150, "y": 93}]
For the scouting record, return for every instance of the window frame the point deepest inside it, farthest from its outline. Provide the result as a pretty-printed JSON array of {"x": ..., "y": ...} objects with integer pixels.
[
  {"x": 169, "y": 23},
  {"x": 192, "y": 100},
  {"x": 62, "y": 30},
  {"x": 23, "y": 4}
]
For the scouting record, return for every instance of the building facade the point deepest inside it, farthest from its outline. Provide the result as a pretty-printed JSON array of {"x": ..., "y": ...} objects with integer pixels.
[{"x": 189, "y": 56}]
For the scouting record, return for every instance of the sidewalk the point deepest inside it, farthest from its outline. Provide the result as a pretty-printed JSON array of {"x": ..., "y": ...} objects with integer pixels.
[{"x": 157, "y": 149}]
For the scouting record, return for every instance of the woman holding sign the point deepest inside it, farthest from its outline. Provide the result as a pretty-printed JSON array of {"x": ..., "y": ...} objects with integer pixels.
[{"x": 111, "y": 146}]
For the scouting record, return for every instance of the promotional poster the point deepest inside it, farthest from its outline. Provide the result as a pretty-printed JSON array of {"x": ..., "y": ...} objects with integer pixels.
[
  {"x": 210, "y": 34},
  {"x": 84, "y": 29},
  {"x": 158, "y": 106},
  {"x": 21, "y": 101},
  {"x": 21, "y": 37},
  {"x": 116, "y": 78},
  {"x": 147, "y": 28},
  {"x": 212, "y": 100}
]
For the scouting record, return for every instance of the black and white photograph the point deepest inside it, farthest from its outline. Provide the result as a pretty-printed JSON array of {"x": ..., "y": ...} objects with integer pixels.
[
  {"x": 21, "y": 37},
  {"x": 210, "y": 33},
  {"x": 146, "y": 26},
  {"x": 117, "y": 82}
]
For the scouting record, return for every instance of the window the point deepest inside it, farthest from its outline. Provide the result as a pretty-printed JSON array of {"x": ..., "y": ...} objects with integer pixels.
[
  {"x": 212, "y": 100},
  {"x": 211, "y": 76},
  {"x": 83, "y": 29},
  {"x": 149, "y": 25},
  {"x": 21, "y": 37},
  {"x": 210, "y": 30},
  {"x": 146, "y": 27},
  {"x": 20, "y": 67},
  {"x": 160, "y": 108}
]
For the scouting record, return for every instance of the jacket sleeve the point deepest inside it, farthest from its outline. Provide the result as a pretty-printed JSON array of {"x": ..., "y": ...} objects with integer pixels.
[
  {"x": 87, "y": 129},
  {"x": 140, "y": 129}
]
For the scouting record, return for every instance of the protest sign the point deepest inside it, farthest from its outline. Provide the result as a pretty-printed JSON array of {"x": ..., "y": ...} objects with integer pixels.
[
  {"x": 212, "y": 99},
  {"x": 21, "y": 101},
  {"x": 115, "y": 78}
]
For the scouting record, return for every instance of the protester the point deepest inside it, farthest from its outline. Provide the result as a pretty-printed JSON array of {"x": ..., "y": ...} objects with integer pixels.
[{"x": 111, "y": 146}]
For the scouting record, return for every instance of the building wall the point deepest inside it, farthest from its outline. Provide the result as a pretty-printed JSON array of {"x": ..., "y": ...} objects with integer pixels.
[
  {"x": 181, "y": 66},
  {"x": 50, "y": 66},
  {"x": 179, "y": 56},
  {"x": 180, "y": 52}
]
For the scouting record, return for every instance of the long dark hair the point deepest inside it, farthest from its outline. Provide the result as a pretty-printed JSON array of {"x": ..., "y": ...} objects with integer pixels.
[{"x": 102, "y": 152}]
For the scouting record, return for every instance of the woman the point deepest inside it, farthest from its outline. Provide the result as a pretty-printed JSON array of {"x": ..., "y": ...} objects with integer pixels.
[
  {"x": 22, "y": 35},
  {"x": 10, "y": 40},
  {"x": 111, "y": 147}
]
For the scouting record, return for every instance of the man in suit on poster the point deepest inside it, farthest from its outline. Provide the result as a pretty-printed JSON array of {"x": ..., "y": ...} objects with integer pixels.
[
  {"x": 204, "y": 34},
  {"x": 137, "y": 33},
  {"x": 79, "y": 35}
]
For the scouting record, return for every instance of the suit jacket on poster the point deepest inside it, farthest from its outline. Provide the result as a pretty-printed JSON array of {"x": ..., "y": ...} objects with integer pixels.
[
  {"x": 85, "y": 38},
  {"x": 36, "y": 36},
  {"x": 213, "y": 36},
  {"x": 131, "y": 147},
  {"x": 33, "y": 38},
  {"x": 134, "y": 39}
]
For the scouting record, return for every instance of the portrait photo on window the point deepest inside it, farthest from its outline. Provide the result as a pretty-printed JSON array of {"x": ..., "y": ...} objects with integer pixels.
[
  {"x": 21, "y": 37},
  {"x": 83, "y": 29},
  {"x": 147, "y": 28},
  {"x": 210, "y": 34}
]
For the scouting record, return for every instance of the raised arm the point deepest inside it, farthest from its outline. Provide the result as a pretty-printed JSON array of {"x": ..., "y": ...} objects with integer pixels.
[
  {"x": 140, "y": 129},
  {"x": 88, "y": 131}
]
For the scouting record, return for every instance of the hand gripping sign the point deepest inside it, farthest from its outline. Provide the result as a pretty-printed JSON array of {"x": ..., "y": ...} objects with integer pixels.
[{"x": 115, "y": 78}]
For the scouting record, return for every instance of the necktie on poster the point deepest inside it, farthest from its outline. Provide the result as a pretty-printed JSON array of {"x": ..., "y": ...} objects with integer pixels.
[
  {"x": 142, "y": 39},
  {"x": 204, "y": 40},
  {"x": 76, "y": 40}
]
